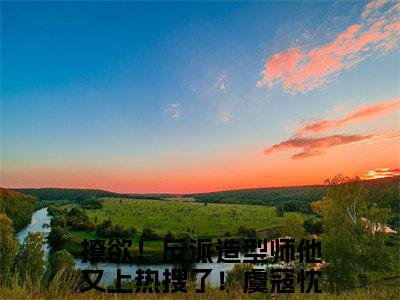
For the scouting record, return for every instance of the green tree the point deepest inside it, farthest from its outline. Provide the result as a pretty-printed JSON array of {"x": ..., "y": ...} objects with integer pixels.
[
  {"x": 353, "y": 242},
  {"x": 59, "y": 220},
  {"x": 57, "y": 237},
  {"x": 235, "y": 278},
  {"x": 189, "y": 251},
  {"x": 58, "y": 260},
  {"x": 61, "y": 275},
  {"x": 293, "y": 226},
  {"x": 279, "y": 211},
  {"x": 247, "y": 232},
  {"x": 17, "y": 206},
  {"x": 8, "y": 248},
  {"x": 313, "y": 225},
  {"x": 30, "y": 258}
]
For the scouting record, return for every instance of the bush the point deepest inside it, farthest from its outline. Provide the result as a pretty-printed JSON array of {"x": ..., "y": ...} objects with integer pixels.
[
  {"x": 394, "y": 220},
  {"x": 279, "y": 211},
  {"x": 79, "y": 220},
  {"x": 29, "y": 262},
  {"x": 107, "y": 230},
  {"x": 236, "y": 276},
  {"x": 149, "y": 234},
  {"x": 57, "y": 237},
  {"x": 92, "y": 203},
  {"x": 312, "y": 225},
  {"x": 247, "y": 232},
  {"x": 61, "y": 276},
  {"x": 169, "y": 235},
  {"x": 58, "y": 220}
]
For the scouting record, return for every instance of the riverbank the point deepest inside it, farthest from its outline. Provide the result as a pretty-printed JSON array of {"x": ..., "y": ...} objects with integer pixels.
[{"x": 152, "y": 257}]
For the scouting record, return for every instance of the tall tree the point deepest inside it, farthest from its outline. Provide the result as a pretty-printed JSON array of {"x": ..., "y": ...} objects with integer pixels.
[
  {"x": 353, "y": 238},
  {"x": 61, "y": 276},
  {"x": 293, "y": 226},
  {"x": 8, "y": 248},
  {"x": 17, "y": 206},
  {"x": 30, "y": 258},
  {"x": 57, "y": 237}
]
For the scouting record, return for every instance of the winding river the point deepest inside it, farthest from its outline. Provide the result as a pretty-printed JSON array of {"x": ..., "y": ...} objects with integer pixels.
[{"x": 41, "y": 217}]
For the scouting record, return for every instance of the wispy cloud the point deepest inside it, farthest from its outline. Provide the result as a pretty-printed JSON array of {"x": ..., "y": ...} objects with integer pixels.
[
  {"x": 299, "y": 70},
  {"x": 222, "y": 83},
  {"x": 361, "y": 113},
  {"x": 226, "y": 117},
  {"x": 381, "y": 173},
  {"x": 174, "y": 110},
  {"x": 311, "y": 146}
]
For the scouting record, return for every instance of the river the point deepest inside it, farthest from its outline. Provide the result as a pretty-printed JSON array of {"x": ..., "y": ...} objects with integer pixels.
[{"x": 41, "y": 217}]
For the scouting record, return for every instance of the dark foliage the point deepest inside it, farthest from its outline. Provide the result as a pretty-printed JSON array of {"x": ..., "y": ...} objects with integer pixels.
[
  {"x": 59, "y": 220},
  {"x": 384, "y": 192},
  {"x": 107, "y": 230},
  {"x": 78, "y": 195},
  {"x": 279, "y": 211},
  {"x": 92, "y": 203},
  {"x": 17, "y": 206},
  {"x": 247, "y": 232},
  {"x": 57, "y": 237},
  {"x": 313, "y": 225},
  {"x": 78, "y": 219},
  {"x": 149, "y": 234}
]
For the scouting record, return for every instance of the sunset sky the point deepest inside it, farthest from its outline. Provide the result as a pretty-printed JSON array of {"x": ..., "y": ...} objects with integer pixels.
[{"x": 194, "y": 97}]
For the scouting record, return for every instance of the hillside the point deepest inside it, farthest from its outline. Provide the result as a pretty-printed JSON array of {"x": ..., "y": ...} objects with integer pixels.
[
  {"x": 384, "y": 192},
  {"x": 17, "y": 206},
  {"x": 75, "y": 195}
]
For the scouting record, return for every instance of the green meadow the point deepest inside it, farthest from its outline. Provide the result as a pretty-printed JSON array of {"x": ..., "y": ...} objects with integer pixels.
[
  {"x": 210, "y": 220},
  {"x": 175, "y": 216}
]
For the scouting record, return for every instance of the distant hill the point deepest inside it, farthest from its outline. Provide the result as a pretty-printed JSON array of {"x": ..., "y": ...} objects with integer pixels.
[
  {"x": 385, "y": 192},
  {"x": 17, "y": 206},
  {"x": 77, "y": 195}
]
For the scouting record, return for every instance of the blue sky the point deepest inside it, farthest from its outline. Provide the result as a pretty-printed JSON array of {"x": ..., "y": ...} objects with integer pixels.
[{"x": 154, "y": 88}]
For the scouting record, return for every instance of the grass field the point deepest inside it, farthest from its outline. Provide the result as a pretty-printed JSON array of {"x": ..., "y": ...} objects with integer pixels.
[{"x": 209, "y": 220}]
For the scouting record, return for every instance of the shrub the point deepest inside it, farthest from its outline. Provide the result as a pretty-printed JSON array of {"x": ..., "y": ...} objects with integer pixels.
[
  {"x": 149, "y": 234},
  {"x": 247, "y": 232},
  {"x": 236, "y": 276},
  {"x": 57, "y": 237}
]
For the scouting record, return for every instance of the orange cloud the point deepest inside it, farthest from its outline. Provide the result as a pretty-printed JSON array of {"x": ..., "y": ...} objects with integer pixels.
[
  {"x": 360, "y": 114},
  {"x": 300, "y": 71},
  {"x": 312, "y": 146},
  {"x": 381, "y": 173}
]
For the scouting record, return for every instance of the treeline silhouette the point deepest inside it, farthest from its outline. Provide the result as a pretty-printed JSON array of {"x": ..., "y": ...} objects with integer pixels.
[
  {"x": 79, "y": 195},
  {"x": 384, "y": 192}
]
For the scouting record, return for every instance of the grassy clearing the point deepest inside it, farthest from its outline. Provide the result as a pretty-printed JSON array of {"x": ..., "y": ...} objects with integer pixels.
[
  {"x": 209, "y": 220},
  {"x": 205, "y": 220}
]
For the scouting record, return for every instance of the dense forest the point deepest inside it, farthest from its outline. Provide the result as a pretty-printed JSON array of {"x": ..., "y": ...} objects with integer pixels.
[
  {"x": 77, "y": 195},
  {"x": 23, "y": 268},
  {"x": 17, "y": 206},
  {"x": 385, "y": 192}
]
